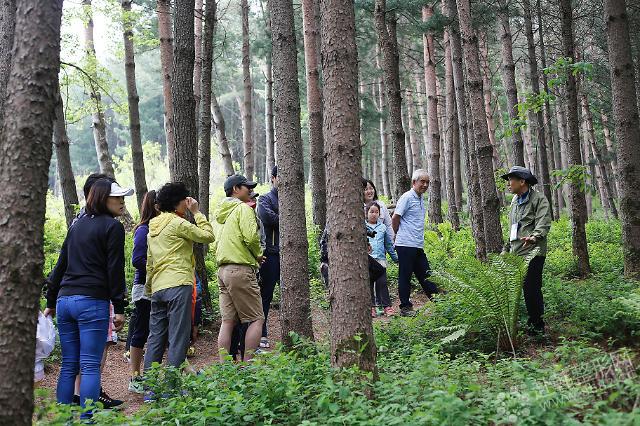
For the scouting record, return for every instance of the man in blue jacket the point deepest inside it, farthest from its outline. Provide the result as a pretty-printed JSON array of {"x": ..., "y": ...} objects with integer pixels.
[{"x": 268, "y": 212}]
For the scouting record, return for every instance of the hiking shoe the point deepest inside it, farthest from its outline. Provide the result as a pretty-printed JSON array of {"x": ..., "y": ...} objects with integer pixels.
[
  {"x": 149, "y": 396},
  {"x": 264, "y": 343},
  {"x": 389, "y": 311},
  {"x": 136, "y": 384},
  {"x": 407, "y": 311},
  {"x": 374, "y": 313},
  {"x": 108, "y": 402},
  {"x": 75, "y": 400},
  {"x": 127, "y": 356}
]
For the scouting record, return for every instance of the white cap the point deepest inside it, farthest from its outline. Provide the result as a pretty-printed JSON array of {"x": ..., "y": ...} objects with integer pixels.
[{"x": 118, "y": 191}]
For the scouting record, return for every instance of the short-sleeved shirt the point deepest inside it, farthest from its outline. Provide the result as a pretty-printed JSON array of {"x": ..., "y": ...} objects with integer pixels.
[{"x": 412, "y": 210}]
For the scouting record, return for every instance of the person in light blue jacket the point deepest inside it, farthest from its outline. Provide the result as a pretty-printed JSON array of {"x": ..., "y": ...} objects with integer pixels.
[{"x": 381, "y": 244}]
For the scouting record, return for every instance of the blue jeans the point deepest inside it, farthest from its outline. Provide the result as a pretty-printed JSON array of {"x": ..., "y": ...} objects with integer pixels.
[
  {"x": 83, "y": 323},
  {"x": 412, "y": 260}
]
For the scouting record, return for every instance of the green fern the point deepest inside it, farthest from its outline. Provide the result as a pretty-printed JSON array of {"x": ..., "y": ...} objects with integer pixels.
[
  {"x": 630, "y": 304},
  {"x": 492, "y": 291}
]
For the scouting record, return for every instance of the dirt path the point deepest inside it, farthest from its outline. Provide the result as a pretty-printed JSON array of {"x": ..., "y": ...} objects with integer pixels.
[{"x": 115, "y": 378}]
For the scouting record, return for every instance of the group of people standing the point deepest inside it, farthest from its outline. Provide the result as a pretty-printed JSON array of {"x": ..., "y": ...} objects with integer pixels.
[{"x": 87, "y": 288}]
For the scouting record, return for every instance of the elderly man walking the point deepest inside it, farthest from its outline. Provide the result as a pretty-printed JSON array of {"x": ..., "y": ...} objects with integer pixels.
[
  {"x": 408, "y": 224},
  {"x": 529, "y": 224}
]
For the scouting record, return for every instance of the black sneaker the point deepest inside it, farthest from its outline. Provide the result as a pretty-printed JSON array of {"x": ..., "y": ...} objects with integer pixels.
[
  {"x": 407, "y": 311},
  {"x": 75, "y": 400},
  {"x": 108, "y": 402}
]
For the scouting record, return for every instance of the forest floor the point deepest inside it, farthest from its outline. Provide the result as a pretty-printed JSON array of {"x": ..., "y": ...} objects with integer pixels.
[{"x": 115, "y": 377}]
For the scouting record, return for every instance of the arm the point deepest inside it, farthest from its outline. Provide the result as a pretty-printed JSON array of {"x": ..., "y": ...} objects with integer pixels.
[
  {"x": 266, "y": 212},
  {"x": 139, "y": 255},
  {"x": 201, "y": 232},
  {"x": 55, "y": 277},
  {"x": 388, "y": 245},
  {"x": 543, "y": 220},
  {"x": 395, "y": 222},
  {"x": 115, "y": 267},
  {"x": 401, "y": 208},
  {"x": 150, "y": 272},
  {"x": 249, "y": 230}
]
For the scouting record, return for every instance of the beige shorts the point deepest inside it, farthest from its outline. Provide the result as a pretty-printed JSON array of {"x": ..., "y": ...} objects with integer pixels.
[{"x": 239, "y": 294}]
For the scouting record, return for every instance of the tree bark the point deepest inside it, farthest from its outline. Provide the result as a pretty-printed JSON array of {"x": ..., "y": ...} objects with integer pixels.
[
  {"x": 204, "y": 142},
  {"x": 295, "y": 311},
  {"x": 413, "y": 137},
  {"x": 197, "y": 66},
  {"x": 574, "y": 157},
  {"x": 352, "y": 340},
  {"x": 314, "y": 107},
  {"x": 247, "y": 88},
  {"x": 611, "y": 153},
  {"x": 63, "y": 162},
  {"x": 26, "y": 140},
  {"x": 384, "y": 142},
  {"x": 486, "y": 91},
  {"x": 137, "y": 156},
  {"x": 165, "y": 33},
  {"x": 483, "y": 149},
  {"x": 627, "y": 130},
  {"x": 388, "y": 43},
  {"x": 221, "y": 136},
  {"x": 407, "y": 140},
  {"x": 535, "y": 88},
  {"x": 430, "y": 78},
  {"x": 422, "y": 113},
  {"x": 268, "y": 105},
  {"x": 509, "y": 79},
  {"x": 451, "y": 134},
  {"x": 7, "y": 29}
]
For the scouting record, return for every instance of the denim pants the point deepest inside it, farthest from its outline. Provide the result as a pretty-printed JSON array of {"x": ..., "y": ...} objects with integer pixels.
[
  {"x": 270, "y": 274},
  {"x": 170, "y": 322},
  {"x": 412, "y": 260},
  {"x": 83, "y": 323},
  {"x": 139, "y": 324}
]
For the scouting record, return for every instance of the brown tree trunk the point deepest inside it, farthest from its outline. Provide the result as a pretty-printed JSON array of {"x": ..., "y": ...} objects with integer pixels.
[
  {"x": 509, "y": 80},
  {"x": 430, "y": 78},
  {"x": 204, "y": 114},
  {"x": 295, "y": 311},
  {"x": 608, "y": 199},
  {"x": 408, "y": 153},
  {"x": 388, "y": 43},
  {"x": 7, "y": 28},
  {"x": 535, "y": 88},
  {"x": 627, "y": 130},
  {"x": 221, "y": 136},
  {"x": 483, "y": 149},
  {"x": 197, "y": 66},
  {"x": 26, "y": 140},
  {"x": 165, "y": 33},
  {"x": 352, "y": 340},
  {"x": 268, "y": 105},
  {"x": 486, "y": 87},
  {"x": 137, "y": 156},
  {"x": 611, "y": 154},
  {"x": 247, "y": 86},
  {"x": 422, "y": 112},
  {"x": 578, "y": 203},
  {"x": 314, "y": 107},
  {"x": 413, "y": 137},
  {"x": 384, "y": 142},
  {"x": 99, "y": 125},
  {"x": 451, "y": 133},
  {"x": 63, "y": 162}
]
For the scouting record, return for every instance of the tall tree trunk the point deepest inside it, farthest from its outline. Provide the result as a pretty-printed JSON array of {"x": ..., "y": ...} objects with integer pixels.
[
  {"x": 314, "y": 107},
  {"x": 466, "y": 138},
  {"x": 26, "y": 140},
  {"x": 451, "y": 133},
  {"x": 204, "y": 114},
  {"x": 509, "y": 79},
  {"x": 627, "y": 130},
  {"x": 384, "y": 142},
  {"x": 578, "y": 203},
  {"x": 99, "y": 125},
  {"x": 63, "y": 160},
  {"x": 7, "y": 29},
  {"x": 486, "y": 87},
  {"x": 535, "y": 88},
  {"x": 611, "y": 154},
  {"x": 137, "y": 155},
  {"x": 422, "y": 112},
  {"x": 388, "y": 43},
  {"x": 352, "y": 341},
  {"x": 221, "y": 136},
  {"x": 483, "y": 149},
  {"x": 165, "y": 33},
  {"x": 430, "y": 78},
  {"x": 605, "y": 182},
  {"x": 408, "y": 153},
  {"x": 247, "y": 88},
  {"x": 268, "y": 105},
  {"x": 197, "y": 66},
  {"x": 295, "y": 308},
  {"x": 413, "y": 138}
]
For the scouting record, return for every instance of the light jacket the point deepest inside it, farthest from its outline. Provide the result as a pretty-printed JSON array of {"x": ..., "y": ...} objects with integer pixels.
[
  {"x": 382, "y": 243},
  {"x": 237, "y": 239},
  {"x": 170, "y": 260},
  {"x": 531, "y": 213}
]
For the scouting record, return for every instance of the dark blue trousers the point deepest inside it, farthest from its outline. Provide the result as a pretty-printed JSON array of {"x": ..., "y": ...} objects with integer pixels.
[
  {"x": 270, "y": 276},
  {"x": 412, "y": 260}
]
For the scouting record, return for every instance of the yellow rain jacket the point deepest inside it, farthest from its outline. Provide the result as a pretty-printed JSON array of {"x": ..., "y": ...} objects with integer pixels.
[{"x": 237, "y": 237}]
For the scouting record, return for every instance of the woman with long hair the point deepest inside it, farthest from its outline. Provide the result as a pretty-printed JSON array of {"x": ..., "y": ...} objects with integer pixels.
[
  {"x": 139, "y": 324},
  {"x": 89, "y": 276}
]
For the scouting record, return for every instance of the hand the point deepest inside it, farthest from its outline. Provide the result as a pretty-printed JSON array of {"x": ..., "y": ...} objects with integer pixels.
[
  {"x": 529, "y": 240},
  {"x": 261, "y": 259},
  {"x": 369, "y": 249},
  {"x": 49, "y": 312},
  {"x": 118, "y": 322},
  {"x": 192, "y": 205}
]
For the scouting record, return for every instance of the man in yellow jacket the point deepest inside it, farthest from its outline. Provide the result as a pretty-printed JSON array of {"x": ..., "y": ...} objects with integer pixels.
[
  {"x": 170, "y": 273},
  {"x": 238, "y": 254}
]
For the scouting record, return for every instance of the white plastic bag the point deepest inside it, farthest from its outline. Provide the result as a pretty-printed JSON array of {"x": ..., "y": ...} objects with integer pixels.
[{"x": 45, "y": 341}]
